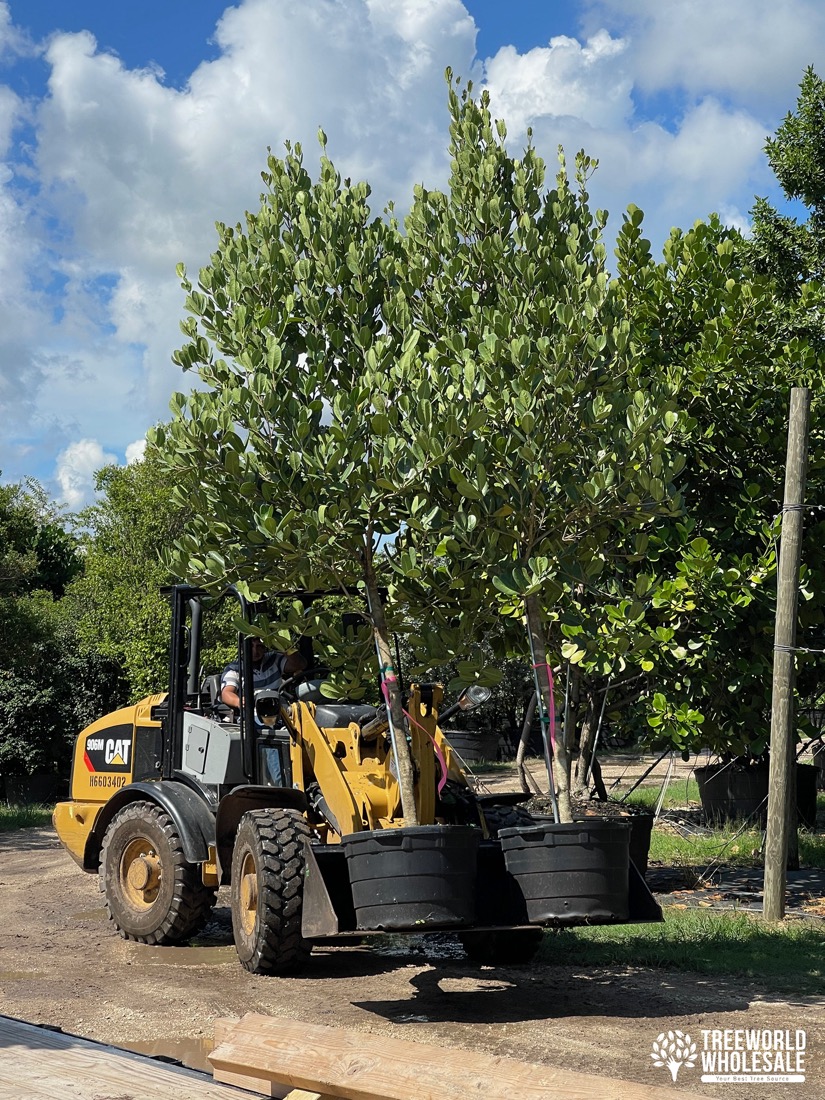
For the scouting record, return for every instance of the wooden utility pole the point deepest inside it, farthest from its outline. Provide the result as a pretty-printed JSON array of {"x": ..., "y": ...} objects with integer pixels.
[{"x": 782, "y": 779}]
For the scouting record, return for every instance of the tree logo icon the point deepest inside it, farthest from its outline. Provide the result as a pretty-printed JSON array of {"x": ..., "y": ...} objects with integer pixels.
[{"x": 674, "y": 1050}]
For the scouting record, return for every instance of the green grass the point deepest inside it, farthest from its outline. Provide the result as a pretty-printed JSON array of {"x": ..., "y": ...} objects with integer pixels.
[
  {"x": 790, "y": 956},
  {"x": 492, "y": 767},
  {"x": 723, "y": 845},
  {"x": 24, "y": 817},
  {"x": 679, "y": 793},
  {"x": 727, "y": 846}
]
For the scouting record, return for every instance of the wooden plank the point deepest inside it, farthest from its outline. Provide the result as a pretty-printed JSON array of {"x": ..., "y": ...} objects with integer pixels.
[
  {"x": 37, "y": 1062},
  {"x": 361, "y": 1066},
  {"x": 223, "y": 1028},
  {"x": 251, "y": 1084},
  {"x": 302, "y": 1094}
]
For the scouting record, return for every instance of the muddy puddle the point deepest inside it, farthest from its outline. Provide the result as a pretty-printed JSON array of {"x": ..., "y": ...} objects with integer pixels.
[
  {"x": 436, "y": 945},
  {"x": 191, "y": 1053}
]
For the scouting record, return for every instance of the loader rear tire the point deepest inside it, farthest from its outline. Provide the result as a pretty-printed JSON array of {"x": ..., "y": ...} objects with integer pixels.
[
  {"x": 267, "y": 891},
  {"x": 153, "y": 894},
  {"x": 506, "y": 817},
  {"x": 502, "y": 948}
]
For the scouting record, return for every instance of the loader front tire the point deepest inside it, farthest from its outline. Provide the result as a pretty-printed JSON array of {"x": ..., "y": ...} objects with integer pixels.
[
  {"x": 153, "y": 894},
  {"x": 267, "y": 891}
]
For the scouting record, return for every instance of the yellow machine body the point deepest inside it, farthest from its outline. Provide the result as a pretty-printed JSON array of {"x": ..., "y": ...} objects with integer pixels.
[
  {"x": 354, "y": 773},
  {"x": 102, "y": 764}
]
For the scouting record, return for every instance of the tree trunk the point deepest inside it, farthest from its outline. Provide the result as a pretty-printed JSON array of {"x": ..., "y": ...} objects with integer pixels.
[
  {"x": 395, "y": 706},
  {"x": 529, "y": 715},
  {"x": 568, "y": 736},
  {"x": 587, "y": 740},
  {"x": 598, "y": 782},
  {"x": 561, "y": 759}
]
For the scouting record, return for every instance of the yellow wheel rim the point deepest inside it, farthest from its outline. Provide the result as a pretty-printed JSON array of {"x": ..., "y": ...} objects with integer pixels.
[
  {"x": 140, "y": 873},
  {"x": 248, "y": 894}
]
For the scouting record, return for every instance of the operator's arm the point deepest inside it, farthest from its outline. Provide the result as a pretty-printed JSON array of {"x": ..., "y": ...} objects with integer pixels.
[
  {"x": 230, "y": 687},
  {"x": 229, "y": 695}
]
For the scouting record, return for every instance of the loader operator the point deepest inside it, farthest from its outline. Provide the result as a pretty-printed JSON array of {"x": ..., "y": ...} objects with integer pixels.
[{"x": 268, "y": 671}]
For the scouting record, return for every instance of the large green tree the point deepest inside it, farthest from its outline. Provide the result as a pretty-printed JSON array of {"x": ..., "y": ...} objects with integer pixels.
[
  {"x": 705, "y": 585},
  {"x": 507, "y": 283},
  {"x": 315, "y": 437},
  {"x": 793, "y": 252}
]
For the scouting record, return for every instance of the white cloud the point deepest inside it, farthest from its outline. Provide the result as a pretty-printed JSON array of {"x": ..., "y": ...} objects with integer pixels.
[
  {"x": 12, "y": 40},
  {"x": 583, "y": 95},
  {"x": 753, "y": 50},
  {"x": 135, "y": 451},
  {"x": 133, "y": 173},
  {"x": 565, "y": 79},
  {"x": 136, "y": 174},
  {"x": 76, "y": 468}
]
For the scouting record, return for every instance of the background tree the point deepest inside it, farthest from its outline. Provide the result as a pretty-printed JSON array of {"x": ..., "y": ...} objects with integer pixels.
[
  {"x": 120, "y": 613},
  {"x": 48, "y": 691},
  {"x": 792, "y": 252},
  {"x": 703, "y": 654}
]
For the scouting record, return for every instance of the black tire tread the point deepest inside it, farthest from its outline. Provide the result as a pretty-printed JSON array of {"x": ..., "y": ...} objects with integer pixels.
[
  {"x": 506, "y": 817},
  {"x": 279, "y": 835},
  {"x": 192, "y": 902}
]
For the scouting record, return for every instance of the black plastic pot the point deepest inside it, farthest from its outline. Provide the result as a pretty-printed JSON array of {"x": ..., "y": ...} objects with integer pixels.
[
  {"x": 473, "y": 746},
  {"x": 641, "y": 828},
  {"x": 571, "y": 874},
  {"x": 731, "y": 792},
  {"x": 418, "y": 877}
]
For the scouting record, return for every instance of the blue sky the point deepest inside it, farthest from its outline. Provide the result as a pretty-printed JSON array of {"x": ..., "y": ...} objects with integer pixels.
[{"x": 126, "y": 131}]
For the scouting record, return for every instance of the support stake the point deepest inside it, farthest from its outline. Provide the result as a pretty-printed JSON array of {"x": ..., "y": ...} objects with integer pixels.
[{"x": 781, "y": 783}]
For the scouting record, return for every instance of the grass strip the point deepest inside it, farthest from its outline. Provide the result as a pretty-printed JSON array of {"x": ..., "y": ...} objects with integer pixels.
[
  {"x": 727, "y": 846},
  {"x": 786, "y": 957},
  {"x": 680, "y": 792},
  {"x": 24, "y": 816}
]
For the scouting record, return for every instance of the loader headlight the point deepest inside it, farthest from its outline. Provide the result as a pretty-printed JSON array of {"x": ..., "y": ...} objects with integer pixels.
[{"x": 473, "y": 696}]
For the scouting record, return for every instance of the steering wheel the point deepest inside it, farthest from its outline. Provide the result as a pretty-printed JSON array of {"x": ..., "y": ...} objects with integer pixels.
[{"x": 303, "y": 674}]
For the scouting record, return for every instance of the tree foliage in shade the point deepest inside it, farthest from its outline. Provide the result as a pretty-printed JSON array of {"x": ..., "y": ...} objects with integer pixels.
[
  {"x": 705, "y": 678},
  {"x": 47, "y": 689}
]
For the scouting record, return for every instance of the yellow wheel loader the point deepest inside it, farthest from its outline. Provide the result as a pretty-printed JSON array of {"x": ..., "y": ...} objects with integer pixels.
[{"x": 178, "y": 795}]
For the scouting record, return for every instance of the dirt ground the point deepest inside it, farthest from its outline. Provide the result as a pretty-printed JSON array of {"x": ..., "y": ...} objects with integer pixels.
[{"x": 63, "y": 965}]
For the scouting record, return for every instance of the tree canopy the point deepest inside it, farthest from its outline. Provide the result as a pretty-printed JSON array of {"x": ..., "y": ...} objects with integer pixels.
[{"x": 47, "y": 690}]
